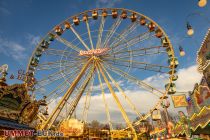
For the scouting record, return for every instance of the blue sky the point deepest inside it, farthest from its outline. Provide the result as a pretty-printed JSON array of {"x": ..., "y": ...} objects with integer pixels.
[{"x": 24, "y": 22}]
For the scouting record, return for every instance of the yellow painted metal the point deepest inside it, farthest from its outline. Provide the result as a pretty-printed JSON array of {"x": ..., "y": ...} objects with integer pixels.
[
  {"x": 78, "y": 36},
  {"x": 104, "y": 99},
  {"x": 87, "y": 102},
  {"x": 67, "y": 43},
  {"x": 100, "y": 32},
  {"x": 131, "y": 11},
  {"x": 82, "y": 89},
  {"x": 62, "y": 102},
  {"x": 118, "y": 103},
  {"x": 123, "y": 93},
  {"x": 132, "y": 78},
  {"x": 89, "y": 34}
]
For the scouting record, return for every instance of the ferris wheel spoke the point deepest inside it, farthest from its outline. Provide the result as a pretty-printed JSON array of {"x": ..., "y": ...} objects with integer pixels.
[
  {"x": 89, "y": 34},
  {"x": 57, "y": 92},
  {"x": 111, "y": 31},
  {"x": 67, "y": 43},
  {"x": 132, "y": 106},
  {"x": 140, "y": 65},
  {"x": 79, "y": 37},
  {"x": 82, "y": 89},
  {"x": 104, "y": 100},
  {"x": 136, "y": 52},
  {"x": 121, "y": 36},
  {"x": 58, "y": 64},
  {"x": 51, "y": 65},
  {"x": 61, "y": 88},
  {"x": 135, "y": 55},
  {"x": 131, "y": 42},
  {"x": 100, "y": 32},
  {"x": 58, "y": 75},
  {"x": 145, "y": 50},
  {"x": 64, "y": 99},
  {"x": 87, "y": 100},
  {"x": 125, "y": 117},
  {"x": 62, "y": 53},
  {"x": 131, "y": 78}
]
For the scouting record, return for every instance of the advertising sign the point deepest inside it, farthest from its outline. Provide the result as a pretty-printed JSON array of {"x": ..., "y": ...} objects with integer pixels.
[
  {"x": 179, "y": 100},
  {"x": 72, "y": 127}
]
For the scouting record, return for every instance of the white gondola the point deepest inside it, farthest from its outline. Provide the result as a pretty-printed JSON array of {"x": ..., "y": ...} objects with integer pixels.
[{"x": 156, "y": 115}]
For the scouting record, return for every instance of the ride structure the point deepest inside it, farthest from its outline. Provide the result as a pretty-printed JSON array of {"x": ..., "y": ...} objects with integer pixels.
[{"x": 101, "y": 47}]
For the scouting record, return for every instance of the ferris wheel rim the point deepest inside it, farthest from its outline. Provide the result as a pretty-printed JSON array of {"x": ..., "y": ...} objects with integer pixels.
[{"x": 131, "y": 11}]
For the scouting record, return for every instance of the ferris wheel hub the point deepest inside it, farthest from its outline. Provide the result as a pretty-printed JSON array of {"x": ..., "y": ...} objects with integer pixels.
[{"x": 95, "y": 52}]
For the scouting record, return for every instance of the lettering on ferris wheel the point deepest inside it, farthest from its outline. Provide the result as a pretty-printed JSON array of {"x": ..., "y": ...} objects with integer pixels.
[{"x": 96, "y": 52}]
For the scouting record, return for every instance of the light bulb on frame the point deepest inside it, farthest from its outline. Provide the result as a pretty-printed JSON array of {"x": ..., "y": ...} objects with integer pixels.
[
  {"x": 202, "y": 3},
  {"x": 190, "y": 30},
  {"x": 181, "y": 51}
]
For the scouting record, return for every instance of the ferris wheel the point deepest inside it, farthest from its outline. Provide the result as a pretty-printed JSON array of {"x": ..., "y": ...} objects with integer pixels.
[{"x": 101, "y": 52}]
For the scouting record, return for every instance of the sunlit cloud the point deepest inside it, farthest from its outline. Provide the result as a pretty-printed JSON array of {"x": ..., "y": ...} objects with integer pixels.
[
  {"x": 12, "y": 49},
  {"x": 143, "y": 100}
]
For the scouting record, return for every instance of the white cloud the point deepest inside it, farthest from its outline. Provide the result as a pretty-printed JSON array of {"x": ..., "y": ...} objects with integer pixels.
[
  {"x": 13, "y": 49},
  {"x": 4, "y": 11},
  {"x": 32, "y": 39},
  {"x": 187, "y": 78},
  {"x": 107, "y": 3},
  {"x": 143, "y": 101}
]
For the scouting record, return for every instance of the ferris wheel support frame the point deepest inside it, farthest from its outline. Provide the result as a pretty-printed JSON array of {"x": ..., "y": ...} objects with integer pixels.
[{"x": 62, "y": 102}]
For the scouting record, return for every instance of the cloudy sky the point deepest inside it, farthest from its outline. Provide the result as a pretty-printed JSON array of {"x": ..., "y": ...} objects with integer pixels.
[{"x": 23, "y": 23}]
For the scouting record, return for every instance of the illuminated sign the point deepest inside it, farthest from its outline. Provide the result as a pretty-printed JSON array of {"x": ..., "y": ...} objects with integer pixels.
[
  {"x": 96, "y": 52},
  {"x": 72, "y": 127}
]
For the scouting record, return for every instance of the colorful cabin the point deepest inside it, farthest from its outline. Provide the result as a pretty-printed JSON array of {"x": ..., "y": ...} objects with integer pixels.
[
  {"x": 151, "y": 27},
  {"x": 34, "y": 62},
  {"x": 156, "y": 115},
  {"x": 38, "y": 53},
  {"x": 67, "y": 25},
  {"x": 158, "y": 33},
  {"x": 164, "y": 42},
  {"x": 51, "y": 37},
  {"x": 169, "y": 51},
  {"x": 95, "y": 14},
  {"x": 171, "y": 88},
  {"x": 76, "y": 20},
  {"x": 142, "y": 21},
  {"x": 124, "y": 15},
  {"x": 133, "y": 17},
  {"x": 114, "y": 13},
  {"x": 173, "y": 62},
  {"x": 58, "y": 30},
  {"x": 44, "y": 44},
  {"x": 174, "y": 77},
  {"x": 85, "y": 17},
  {"x": 104, "y": 13}
]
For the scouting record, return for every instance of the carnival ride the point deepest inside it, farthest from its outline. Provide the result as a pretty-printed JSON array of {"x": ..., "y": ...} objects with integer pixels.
[{"x": 100, "y": 48}]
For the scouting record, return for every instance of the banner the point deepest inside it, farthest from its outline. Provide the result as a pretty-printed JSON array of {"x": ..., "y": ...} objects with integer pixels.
[
  {"x": 179, "y": 100},
  {"x": 201, "y": 119}
]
